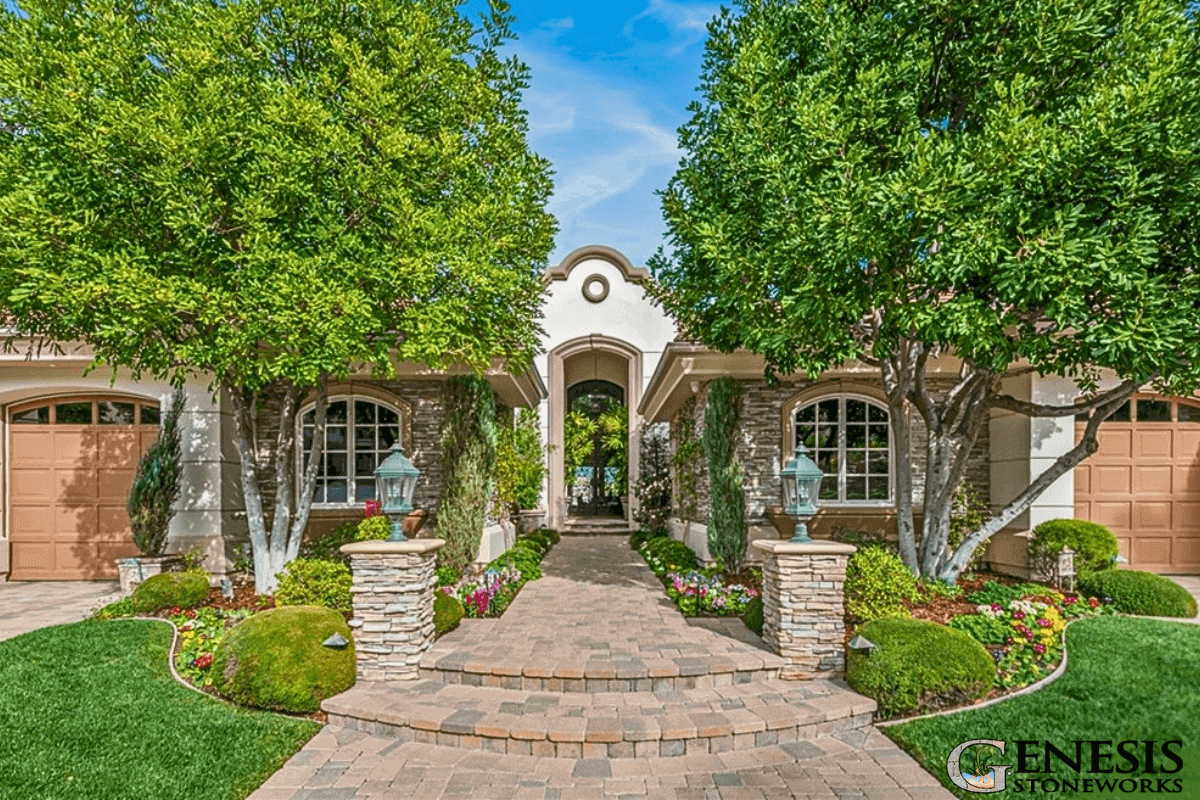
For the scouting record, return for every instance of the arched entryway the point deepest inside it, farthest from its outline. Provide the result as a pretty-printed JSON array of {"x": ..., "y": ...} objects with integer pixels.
[
  {"x": 594, "y": 376},
  {"x": 596, "y": 440}
]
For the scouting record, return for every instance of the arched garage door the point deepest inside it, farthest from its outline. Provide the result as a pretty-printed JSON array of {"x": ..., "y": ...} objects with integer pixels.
[
  {"x": 71, "y": 463},
  {"x": 1144, "y": 483}
]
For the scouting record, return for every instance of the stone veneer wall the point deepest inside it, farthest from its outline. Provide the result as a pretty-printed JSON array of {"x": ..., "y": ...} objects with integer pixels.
[
  {"x": 759, "y": 449},
  {"x": 393, "y": 606},
  {"x": 426, "y": 402},
  {"x": 804, "y": 605}
]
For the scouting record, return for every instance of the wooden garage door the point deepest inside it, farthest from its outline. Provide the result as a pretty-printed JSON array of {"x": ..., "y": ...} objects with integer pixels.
[
  {"x": 71, "y": 464},
  {"x": 1144, "y": 483}
]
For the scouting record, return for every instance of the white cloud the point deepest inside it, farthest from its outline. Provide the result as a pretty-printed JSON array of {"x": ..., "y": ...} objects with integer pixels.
[{"x": 687, "y": 23}]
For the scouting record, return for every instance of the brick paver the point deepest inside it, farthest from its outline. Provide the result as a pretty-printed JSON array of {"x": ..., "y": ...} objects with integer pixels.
[
  {"x": 593, "y": 686},
  {"x": 27, "y": 606}
]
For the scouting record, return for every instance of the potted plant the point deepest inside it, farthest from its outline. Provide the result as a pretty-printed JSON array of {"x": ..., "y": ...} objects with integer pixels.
[{"x": 151, "y": 503}]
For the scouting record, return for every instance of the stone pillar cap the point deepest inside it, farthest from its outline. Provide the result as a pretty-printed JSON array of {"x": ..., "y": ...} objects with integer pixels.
[
  {"x": 408, "y": 546},
  {"x": 817, "y": 548}
]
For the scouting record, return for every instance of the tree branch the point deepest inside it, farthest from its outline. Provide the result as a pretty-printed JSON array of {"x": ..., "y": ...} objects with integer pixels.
[{"x": 1010, "y": 403}]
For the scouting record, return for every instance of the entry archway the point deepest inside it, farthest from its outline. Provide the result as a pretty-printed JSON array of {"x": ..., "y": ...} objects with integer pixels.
[{"x": 573, "y": 363}]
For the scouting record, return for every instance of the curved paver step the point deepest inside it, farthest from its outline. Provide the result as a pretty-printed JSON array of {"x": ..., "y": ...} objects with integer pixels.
[
  {"x": 602, "y": 725},
  {"x": 352, "y": 764}
]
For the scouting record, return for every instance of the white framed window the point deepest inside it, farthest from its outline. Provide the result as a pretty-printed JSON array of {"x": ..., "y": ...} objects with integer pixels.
[
  {"x": 359, "y": 433},
  {"x": 850, "y": 439}
]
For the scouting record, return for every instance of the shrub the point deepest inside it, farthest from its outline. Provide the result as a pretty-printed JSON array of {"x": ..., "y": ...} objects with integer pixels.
[
  {"x": 639, "y": 538},
  {"x": 992, "y": 592},
  {"x": 727, "y": 514},
  {"x": 156, "y": 484},
  {"x": 1094, "y": 545},
  {"x": 551, "y": 535},
  {"x": 919, "y": 665},
  {"x": 532, "y": 545},
  {"x": 468, "y": 446},
  {"x": 665, "y": 555},
  {"x": 183, "y": 589},
  {"x": 447, "y": 576},
  {"x": 522, "y": 560},
  {"x": 1136, "y": 592},
  {"x": 982, "y": 628},
  {"x": 520, "y": 463},
  {"x": 653, "y": 487},
  {"x": 312, "y": 582},
  {"x": 373, "y": 529},
  {"x": 276, "y": 660},
  {"x": 327, "y": 547},
  {"x": 877, "y": 584},
  {"x": 861, "y": 539},
  {"x": 753, "y": 615},
  {"x": 448, "y": 611}
]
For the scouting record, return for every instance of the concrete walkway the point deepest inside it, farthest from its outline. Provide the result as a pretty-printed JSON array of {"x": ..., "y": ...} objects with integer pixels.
[
  {"x": 597, "y": 644},
  {"x": 37, "y": 604}
]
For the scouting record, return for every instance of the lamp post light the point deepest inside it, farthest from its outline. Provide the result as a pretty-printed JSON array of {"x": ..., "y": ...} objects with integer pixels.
[
  {"x": 1066, "y": 568},
  {"x": 395, "y": 480},
  {"x": 801, "y": 485}
]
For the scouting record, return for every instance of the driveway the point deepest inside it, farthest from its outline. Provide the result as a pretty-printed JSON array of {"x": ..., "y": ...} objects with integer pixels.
[{"x": 27, "y": 606}]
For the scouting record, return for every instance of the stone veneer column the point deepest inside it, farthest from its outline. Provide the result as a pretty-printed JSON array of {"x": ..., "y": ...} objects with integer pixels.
[
  {"x": 393, "y": 605},
  {"x": 803, "y": 604}
]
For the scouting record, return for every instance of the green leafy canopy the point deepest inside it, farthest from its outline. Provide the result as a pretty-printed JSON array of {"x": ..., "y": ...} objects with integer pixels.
[
  {"x": 1007, "y": 181},
  {"x": 269, "y": 189}
]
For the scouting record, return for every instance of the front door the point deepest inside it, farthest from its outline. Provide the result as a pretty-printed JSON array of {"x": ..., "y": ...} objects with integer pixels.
[{"x": 596, "y": 442}]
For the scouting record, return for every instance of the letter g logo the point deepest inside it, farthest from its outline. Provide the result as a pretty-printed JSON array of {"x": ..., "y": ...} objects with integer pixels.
[{"x": 981, "y": 776}]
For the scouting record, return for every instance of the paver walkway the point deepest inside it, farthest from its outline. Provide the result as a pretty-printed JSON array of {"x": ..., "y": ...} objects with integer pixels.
[
  {"x": 594, "y": 686},
  {"x": 26, "y": 606}
]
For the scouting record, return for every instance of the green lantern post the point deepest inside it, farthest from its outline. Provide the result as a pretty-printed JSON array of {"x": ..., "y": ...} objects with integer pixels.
[
  {"x": 395, "y": 481},
  {"x": 801, "y": 485}
]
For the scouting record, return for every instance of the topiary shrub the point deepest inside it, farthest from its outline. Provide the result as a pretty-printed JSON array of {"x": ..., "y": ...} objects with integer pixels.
[
  {"x": 727, "y": 514},
  {"x": 169, "y": 589},
  {"x": 919, "y": 665},
  {"x": 877, "y": 584},
  {"x": 448, "y": 611},
  {"x": 1094, "y": 545},
  {"x": 753, "y": 615},
  {"x": 275, "y": 659},
  {"x": 665, "y": 555},
  {"x": 468, "y": 446},
  {"x": 311, "y": 582},
  {"x": 1136, "y": 592},
  {"x": 156, "y": 484}
]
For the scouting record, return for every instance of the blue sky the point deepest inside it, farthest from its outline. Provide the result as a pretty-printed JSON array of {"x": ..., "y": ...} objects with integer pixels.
[{"x": 610, "y": 85}]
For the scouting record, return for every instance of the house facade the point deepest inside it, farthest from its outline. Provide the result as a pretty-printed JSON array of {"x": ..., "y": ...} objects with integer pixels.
[{"x": 71, "y": 442}]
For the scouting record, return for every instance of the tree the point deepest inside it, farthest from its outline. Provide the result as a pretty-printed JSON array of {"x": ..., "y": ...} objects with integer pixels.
[
  {"x": 1013, "y": 186},
  {"x": 468, "y": 447},
  {"x": 157, "y": 483},
  {"x": 727, "y": 496},
  {"x": 272, "y": 193}
]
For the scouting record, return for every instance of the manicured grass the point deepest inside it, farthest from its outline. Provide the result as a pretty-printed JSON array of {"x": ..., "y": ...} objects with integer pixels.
[
  {"x": 1127, "y": 679},
  {"x": 90, "y": 711}
]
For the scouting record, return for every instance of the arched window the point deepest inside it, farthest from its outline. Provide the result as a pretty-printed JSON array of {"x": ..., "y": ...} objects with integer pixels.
[
  {"x": 359, "y": 433},
  {"x": 849, "y": 439}
]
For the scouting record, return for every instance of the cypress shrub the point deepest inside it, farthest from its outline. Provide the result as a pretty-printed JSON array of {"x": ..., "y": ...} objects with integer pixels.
[
  {"x": 156, "y": 484},
  {"x": 1136, "y": 592},
  {"x": 468, "y": 445},
  {"x": 727, "y": 514}
]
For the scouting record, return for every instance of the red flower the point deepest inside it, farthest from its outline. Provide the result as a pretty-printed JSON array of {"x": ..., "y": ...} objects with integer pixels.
[
  {"x": 1039, "y": 648},
  {"x": 174, "y": 612},
  {"x": 203, "y": 662},
  {"x": 190, "y": 614},
  {"x": 1070, "y": 601},
  {"x": 1044, "y": 623},
  {"x": 1018, "y": 615},
  {"x": 1093, "y": 602}
]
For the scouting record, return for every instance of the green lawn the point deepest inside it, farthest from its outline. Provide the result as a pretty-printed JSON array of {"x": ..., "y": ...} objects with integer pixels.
[
  {"x": 90, "y": 711},
  {"x": 1127, "y": 679}
]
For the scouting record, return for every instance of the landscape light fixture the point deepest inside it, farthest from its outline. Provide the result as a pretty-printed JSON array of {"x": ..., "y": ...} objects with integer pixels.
[
  {"x": 395, "y": 481},
  {"x": 801, "y": 485}
]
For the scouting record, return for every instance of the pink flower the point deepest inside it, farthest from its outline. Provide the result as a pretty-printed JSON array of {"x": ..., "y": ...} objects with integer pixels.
[
  {"x": 1018, "y": 615},
  {"x": 997, "y": 607},
  {"x": 1044, "y": 623},
  {"x": 1028, "y": 635},
  {"x": 371, "y": 508},
  {"x": 1039, "y": 648},
  {"x": 1069, "y": 601}
]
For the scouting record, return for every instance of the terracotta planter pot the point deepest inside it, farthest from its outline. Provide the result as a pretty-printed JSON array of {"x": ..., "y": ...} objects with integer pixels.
[
  {"x": 414, "y": 522},
  {"x": 133, "y": 571}
]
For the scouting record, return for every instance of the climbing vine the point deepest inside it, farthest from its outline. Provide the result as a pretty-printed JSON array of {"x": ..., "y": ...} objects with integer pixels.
[
  {"x": 685, "y": 461},
  {"x": 727, "y": 506}
]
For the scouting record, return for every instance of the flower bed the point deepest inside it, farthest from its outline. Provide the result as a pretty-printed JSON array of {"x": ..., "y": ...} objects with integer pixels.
[
  {"x": 200, "y": 632},
  {"x": 694, "y": 590},
  {"x": 489, "y": 592}
]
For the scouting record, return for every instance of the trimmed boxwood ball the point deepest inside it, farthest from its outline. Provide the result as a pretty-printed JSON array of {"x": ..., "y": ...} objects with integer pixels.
[
  {"x": 168, "y": 589},
  {"x": 918, "y": 665},
  {"x": 1094, "y": 545},
  {"x": 275, "y": 659},
  {"x": 448, "y": 611},
  {"x": 753, "y": 615},
  {"x": 1136, "y": 592}
]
